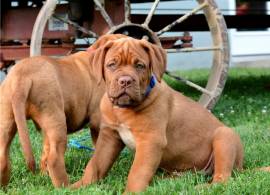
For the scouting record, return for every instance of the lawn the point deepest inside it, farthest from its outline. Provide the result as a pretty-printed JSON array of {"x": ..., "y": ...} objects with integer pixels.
[{"x": 244, "y": 106}]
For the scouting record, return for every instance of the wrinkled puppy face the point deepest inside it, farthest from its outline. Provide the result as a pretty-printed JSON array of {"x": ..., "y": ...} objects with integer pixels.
[
  {"x": 127, "y": 72},
  {"x": 127, "y": 67}
]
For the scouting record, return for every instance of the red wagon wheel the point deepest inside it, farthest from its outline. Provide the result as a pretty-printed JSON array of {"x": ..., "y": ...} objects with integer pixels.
[{"x": 217, "y": 27}]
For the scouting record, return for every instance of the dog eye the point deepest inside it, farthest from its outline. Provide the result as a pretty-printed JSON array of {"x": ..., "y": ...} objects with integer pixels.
[
  {"x": 111, "y": 66},
  {"x": 140, "y": 66}
]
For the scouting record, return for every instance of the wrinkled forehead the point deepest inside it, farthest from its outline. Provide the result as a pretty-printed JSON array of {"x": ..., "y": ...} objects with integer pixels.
[{"x": 127, "y": 49}]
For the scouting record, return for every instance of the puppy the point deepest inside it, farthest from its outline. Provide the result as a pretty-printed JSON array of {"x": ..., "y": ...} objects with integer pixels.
[
  {"x": 60, "y": 96},
  {"x": 163, "y": 127}
]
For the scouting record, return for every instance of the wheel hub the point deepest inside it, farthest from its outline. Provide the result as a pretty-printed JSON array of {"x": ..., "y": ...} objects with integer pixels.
[{"x": 136, "y": 31}]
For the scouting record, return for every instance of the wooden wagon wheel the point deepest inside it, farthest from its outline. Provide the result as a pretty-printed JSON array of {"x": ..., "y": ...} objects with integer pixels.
[{"x": 217, "y": 27}]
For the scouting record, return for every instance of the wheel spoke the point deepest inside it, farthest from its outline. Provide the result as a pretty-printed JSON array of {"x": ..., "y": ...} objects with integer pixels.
[
  {"x": 44, "y": 14},
  {"x": 191, "y": 49},
  {"x": 75, "y": 25},
  {"x": 127, "y": 11},
  {"x": 104, "y": 14},
  {"x": 191, "y": 84},
  {"x": 151, "y": 13},
  {"x": 182, "y": 18}
]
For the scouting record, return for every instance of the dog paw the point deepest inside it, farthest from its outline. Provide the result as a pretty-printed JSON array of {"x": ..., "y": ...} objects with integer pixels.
[
  {"x": 76, "y": 185},
  {"x": 32, "y": 166},
  {"x": 44, "y": 172},
  {"x": 43, "y": 169}
]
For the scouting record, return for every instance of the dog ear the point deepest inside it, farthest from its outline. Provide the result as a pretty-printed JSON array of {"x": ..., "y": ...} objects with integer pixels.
[
  {"x": 158, "y": 58},
  {"x": 97, "y": 58}
]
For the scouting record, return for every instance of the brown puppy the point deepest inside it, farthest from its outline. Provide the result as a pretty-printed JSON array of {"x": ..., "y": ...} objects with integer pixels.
[
  {"x": 60, "y": 96},
  {"x": 165, "y": 128}
]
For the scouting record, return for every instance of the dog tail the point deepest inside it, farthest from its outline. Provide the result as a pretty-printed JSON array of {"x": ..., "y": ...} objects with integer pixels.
[{"x": 19, "y": 107}]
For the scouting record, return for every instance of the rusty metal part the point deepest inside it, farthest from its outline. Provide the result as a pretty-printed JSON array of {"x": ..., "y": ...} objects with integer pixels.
[
  {"x": 2, "y": 63},
  {"x": 170, "y": 42},
  {"x": 18, "y": 52},
  {"x": 186, "y": 41},
  {"x": 18, "y": 25},
  {"x": 183, "y": 45}
]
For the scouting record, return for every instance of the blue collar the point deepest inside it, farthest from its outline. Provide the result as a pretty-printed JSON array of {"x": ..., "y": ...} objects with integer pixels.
[{"x": 150, "y": 86}]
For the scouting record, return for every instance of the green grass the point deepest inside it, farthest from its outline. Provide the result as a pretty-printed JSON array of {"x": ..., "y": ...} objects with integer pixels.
[{"x": 244, "y": 105}]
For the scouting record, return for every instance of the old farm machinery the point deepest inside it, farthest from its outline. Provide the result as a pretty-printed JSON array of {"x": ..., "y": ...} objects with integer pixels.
[{"x": 55, "y": 27}]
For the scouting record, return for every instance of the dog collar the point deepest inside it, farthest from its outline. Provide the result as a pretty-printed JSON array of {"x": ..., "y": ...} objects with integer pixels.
[{"x": 150, "y": 86}]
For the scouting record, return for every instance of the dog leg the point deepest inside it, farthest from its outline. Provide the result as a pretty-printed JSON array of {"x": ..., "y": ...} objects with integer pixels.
[
  {"x": 45, "y": 153},
  {"x": 94, "y": 135},
  {"x": 7, "y": 133},
  {"x": 147, "y": 159},
  {"x": 54, "y": 126},
  {"x": 56, "y": 162},
  {"x": 108, "y": 148},
  {"x": 228, "y": 153},
  {"x": 94, "y": 126}
]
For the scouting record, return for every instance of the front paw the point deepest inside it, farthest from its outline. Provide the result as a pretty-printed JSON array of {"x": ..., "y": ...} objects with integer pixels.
[
  {"x": 76, "y": 185},
  {"x": 43, "y": 168}
]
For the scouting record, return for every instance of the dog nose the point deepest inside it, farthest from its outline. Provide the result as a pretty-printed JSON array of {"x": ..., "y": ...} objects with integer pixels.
[{"x": 125, "y": 81}]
